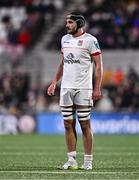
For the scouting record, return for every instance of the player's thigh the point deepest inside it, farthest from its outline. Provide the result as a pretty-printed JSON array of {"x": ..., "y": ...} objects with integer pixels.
[
  {"x": 83, "y": 112},
  {"x": 83, "y": 98},
  {"x": 66, "y": 97},
  {"x": 69, "y": 113}
]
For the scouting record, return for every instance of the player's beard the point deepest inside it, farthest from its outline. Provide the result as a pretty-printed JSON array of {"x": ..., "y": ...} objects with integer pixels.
[{"x": 72, "y": 31}]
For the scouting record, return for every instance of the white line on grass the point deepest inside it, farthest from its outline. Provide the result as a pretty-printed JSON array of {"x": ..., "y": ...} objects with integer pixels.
[
  {"x": 49, "y": 153},
  {"x": 40, "y": 147},
  {"x": 67, "y": 172}
]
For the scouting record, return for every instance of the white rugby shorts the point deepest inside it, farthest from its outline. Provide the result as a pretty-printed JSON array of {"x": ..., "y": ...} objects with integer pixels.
[{"x": 69, "y": 97}]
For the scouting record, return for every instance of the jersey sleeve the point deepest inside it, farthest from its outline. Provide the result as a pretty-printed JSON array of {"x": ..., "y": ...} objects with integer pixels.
[
  {"x": 62, "y": 45},
  {"x": 94, "y": 47}
]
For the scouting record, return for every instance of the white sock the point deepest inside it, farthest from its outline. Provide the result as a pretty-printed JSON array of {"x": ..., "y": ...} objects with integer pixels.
[
  {"x": 72, "y": 155},
  {"x": 88, "y": 159}
]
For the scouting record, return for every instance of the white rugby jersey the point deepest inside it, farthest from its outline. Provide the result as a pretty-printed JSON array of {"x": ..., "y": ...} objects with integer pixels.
[{"x": 78, "y": 68}]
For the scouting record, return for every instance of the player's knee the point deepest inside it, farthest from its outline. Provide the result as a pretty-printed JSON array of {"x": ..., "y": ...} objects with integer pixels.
[
  {"x": 84, "y": 113},
  {"x": 85, "y": 125},
  {"x": 68, "y": 125},
  {"x": 68, "y": 113}
]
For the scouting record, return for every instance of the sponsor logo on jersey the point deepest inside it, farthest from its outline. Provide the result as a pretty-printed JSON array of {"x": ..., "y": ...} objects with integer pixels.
[
  {"x": 70, "y": 59},
  {"x": 70, "y": 56},
  {"x": 66, "y": 42},
  {"x": 80, "y": 43}
]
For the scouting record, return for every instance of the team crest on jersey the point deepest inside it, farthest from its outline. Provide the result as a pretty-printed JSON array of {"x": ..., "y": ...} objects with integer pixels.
[{"x": 80, "y": 43}]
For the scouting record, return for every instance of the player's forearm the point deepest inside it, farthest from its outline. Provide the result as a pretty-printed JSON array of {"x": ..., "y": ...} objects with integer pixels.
[
  {"x": 98, "y": 74},
  {"x": 58, "y": 74},
  {"x": 98, "y": 79}
]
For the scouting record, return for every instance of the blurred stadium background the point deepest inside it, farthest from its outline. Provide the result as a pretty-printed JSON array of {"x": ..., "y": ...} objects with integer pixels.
[{"x": 30, "y": 33}]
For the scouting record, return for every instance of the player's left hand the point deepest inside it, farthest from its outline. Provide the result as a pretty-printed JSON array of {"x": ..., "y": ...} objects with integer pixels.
[{"x": 96, "y": 95}]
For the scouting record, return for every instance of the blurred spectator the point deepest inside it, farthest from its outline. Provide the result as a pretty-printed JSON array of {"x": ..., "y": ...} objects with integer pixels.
[
  {"x": 105, "y": 104},
  {"x": 135, "y": 99},
  {"x": 22, "y": 25},
  {"x": 107, "y": 77},
  {"x": 132, "y": 74},
  {"x": 24, "y": 38},
  {"x": 114, "y": 23},
  {"x": 127, "y": 95},
  {"x": 17, "y": 95},
  {"x": 54, "y": 105},
  {"x": 13, "y": 91},
  {"x": 118, "y": 76},
  {"x": 3, "y": 109},
  {"x": 41, "y": 103},
  {"x": 26, "y": 2},
  {"x": 12, "y": 48}
]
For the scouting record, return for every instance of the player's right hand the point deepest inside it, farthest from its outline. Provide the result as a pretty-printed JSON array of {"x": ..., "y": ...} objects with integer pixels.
[{"x": 51, "y": 89}]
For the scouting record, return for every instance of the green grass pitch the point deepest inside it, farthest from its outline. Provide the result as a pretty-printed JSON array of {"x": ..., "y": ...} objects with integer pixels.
[{"x": 42, "y": 156}]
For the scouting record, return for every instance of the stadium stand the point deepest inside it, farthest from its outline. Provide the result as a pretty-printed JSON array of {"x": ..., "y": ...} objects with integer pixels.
[
  {"x": 115, "y": 23},
  {"x": 30, "y": 40}
]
